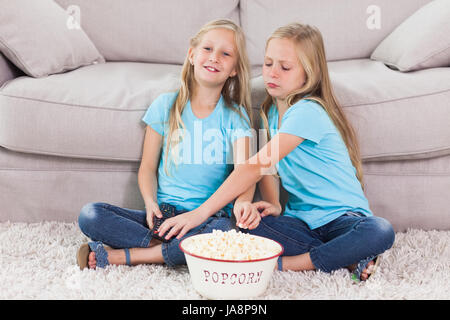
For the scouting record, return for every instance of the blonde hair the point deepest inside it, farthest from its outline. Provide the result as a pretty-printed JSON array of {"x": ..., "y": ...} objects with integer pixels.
[
  {"x": 311, "y": 53},
  {"x": 236, "y": 90}
]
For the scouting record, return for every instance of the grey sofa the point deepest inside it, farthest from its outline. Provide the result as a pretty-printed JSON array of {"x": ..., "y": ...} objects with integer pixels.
[{"x": 75, "y": 137}]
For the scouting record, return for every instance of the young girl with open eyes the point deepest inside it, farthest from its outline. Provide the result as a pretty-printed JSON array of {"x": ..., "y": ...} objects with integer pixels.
[
  {"x": 327, "y": 223},
  {"x": 193, "y": 137}
]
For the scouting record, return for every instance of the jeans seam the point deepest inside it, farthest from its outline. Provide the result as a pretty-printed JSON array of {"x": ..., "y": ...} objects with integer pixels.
[
  {"x": 314, "y": 254},
  {"x": 165, "y": 255},
  {"x": 289, "y": 239},
  {"x": 165, "y": 249},
  {"x": 107, "y": 206},
  {"x": 123, "y": 212},
  {"x": 146, "y": 240},
  {"x": 316, "y": 261},
  {"x": 353, "y": 226}
]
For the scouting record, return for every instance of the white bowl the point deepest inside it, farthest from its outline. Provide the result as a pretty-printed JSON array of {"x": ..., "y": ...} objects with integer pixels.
[{"x": 230, "y": 279}]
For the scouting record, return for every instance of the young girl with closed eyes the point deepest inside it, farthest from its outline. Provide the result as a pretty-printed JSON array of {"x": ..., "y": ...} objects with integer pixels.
[
  {"x": 327, "y": 223},
  {"x": 193, "y": 137}
]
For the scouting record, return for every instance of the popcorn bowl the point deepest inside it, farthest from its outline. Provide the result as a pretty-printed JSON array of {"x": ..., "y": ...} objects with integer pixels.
[{"x": 230, "y": 279}]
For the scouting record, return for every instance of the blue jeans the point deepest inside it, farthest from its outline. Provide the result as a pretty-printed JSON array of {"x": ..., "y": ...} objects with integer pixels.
[
  {"x": 126, "y": 228},
  {"x": 342, "y": 242}
]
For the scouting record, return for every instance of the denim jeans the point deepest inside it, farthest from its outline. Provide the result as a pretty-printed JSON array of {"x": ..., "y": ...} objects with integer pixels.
[
  {"x": 126, "y": 228},
  {"x": 342, "y": 242}
]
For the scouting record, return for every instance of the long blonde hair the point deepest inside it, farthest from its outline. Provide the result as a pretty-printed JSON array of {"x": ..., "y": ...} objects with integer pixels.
[
  {"x": 236, "y": 90},
  {"x": 311, "y": 53}
]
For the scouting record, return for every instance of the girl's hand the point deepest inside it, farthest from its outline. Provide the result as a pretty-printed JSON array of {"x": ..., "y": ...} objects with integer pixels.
[
  {"x": 181, "y": 224},
  {"x": 267, "y": 208},
  {"x": 247, "y": 215},
  {"x": 152, "y": 209}
]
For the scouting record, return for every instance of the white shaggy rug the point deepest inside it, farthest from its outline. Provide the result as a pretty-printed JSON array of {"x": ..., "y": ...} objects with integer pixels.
[{"x": 37, "y": 261}]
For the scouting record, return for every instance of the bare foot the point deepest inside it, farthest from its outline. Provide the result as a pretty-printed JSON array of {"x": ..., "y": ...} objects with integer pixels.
[
  {"x": 92, "y": 263},
  {"x": 366, "y": 272},
  {"x": 116, "y": 257}
]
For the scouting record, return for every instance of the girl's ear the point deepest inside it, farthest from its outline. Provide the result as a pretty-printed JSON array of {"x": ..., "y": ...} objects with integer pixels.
[
  {"x": 191, "y": 55},
  {"x": 233, "y": 73}
]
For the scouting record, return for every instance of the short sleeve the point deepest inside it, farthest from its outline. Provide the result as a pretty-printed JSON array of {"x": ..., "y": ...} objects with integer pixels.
[
  {"x": 157, "y": 114},
  {"x": 240, "y": 125},
  {"x": 305, "y": 120}
]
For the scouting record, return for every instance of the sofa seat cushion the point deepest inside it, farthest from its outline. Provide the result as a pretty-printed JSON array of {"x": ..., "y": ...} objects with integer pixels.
[
  {"x": 95, "y": 111},
  {"x": 396, "y": 115},
  {"x": 92, "y": 112}
]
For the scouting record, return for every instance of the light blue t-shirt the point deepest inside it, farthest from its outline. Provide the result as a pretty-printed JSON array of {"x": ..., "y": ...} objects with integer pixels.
[
  {"x": 203, "y": 159},
  {"x": 318, "y": 174}
]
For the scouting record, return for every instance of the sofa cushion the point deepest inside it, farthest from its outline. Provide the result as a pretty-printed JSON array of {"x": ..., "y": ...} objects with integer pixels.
[
  {"x": 396, "y": 115},
  {"x": 421, "y": 41},
  {"x": 92, "y": 112},
  {"x": 351, "y": 29},
  {"x": 35, "y": 36},
  {"x": 410, "y": 193},
  {"x": 35, "y": 187},
  {"x": 8, "y": 71},
  {"x": 95, "y": 111},
  {"x": 148, "y": 31}
]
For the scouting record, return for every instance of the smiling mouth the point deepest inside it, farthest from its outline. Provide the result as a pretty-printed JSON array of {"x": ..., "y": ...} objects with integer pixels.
[{"x": 211, "y": 69}]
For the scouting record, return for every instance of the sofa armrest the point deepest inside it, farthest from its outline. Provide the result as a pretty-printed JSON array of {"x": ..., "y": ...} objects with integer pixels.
[{"x": 8, "y": 71}]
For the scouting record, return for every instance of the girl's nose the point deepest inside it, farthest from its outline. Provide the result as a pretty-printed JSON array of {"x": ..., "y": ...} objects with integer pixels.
[
  {"x": 273, "y": 73},
  {"x": 213, "y": 57}
]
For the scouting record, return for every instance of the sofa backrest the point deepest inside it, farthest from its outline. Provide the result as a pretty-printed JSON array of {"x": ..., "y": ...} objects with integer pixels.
[
  {"x": 147, "y": 30},
  {"x": 351, "y": 29},
  {"x": 159, "y": 31}
]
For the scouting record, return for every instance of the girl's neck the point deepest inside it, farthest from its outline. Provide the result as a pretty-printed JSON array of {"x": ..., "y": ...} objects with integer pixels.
[
  {"x": 204, "y": 98},
  {"x": 281, "y": 106}
]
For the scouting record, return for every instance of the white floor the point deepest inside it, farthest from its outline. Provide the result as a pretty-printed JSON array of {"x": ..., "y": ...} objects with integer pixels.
[{"x": 37, "y": 261}]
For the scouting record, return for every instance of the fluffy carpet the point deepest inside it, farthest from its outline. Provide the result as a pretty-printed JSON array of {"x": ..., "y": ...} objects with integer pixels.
[{"x": 37, "y": 261}]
